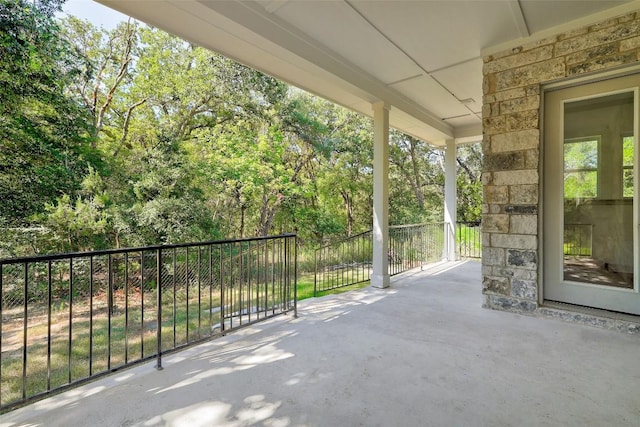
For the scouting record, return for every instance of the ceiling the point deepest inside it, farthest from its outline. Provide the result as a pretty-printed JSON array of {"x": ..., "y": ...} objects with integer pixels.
[{"x": 422, "y": 58}]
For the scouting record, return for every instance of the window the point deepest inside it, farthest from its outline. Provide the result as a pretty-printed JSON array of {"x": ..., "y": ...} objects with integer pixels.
[
  {"x": 627, "y": 166},
  {"x": 581, "y": 168}
]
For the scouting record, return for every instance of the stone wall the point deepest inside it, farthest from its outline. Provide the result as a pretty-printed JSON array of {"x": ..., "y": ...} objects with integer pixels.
[{"x": 511, "y": 146}]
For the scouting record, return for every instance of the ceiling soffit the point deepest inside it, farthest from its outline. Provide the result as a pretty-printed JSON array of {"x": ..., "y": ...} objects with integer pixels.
[{"x": 421, "y": 57}]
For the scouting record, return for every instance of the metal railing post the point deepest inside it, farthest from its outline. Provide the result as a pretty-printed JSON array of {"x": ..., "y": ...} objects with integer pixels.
[
  {"x": 295, "y": 277},
  {"x": 159, "y": 308}
]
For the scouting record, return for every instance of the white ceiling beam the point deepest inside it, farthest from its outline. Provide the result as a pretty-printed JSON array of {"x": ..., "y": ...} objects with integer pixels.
[
  {"x": 568, "y": 26},
  {"x": 518, "y": 18}
]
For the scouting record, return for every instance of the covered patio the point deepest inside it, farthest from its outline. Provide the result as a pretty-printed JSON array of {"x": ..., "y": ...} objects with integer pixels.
[{"x": 423, "y": 353}]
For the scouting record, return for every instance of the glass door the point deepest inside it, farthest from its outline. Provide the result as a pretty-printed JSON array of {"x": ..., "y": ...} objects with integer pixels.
[{"x": 590, "y": 241}]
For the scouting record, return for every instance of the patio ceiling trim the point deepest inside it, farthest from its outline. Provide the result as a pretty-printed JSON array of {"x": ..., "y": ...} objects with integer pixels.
[
  {"x": 423, "y": 58},
  {"x": 565, "y": 27},
  {"x": 292, "y": 57}
]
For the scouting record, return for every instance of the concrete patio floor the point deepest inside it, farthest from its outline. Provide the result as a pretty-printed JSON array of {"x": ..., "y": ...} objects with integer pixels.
[{"x": 422, "y": 353}]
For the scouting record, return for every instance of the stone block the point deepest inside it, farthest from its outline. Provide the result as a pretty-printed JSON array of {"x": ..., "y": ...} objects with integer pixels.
[
  {"x": 523, "y": 224},
  {"x": 532, "y": 159},
  {"x": 532, "y": 90},
  {"x": 530, "y": 74},
  {"x": 524, "y": 289},
  {"x": 493, "y": 256},
  {"x": 607, "y": 35},
  {"x": 521, "y": 209},
  {"x": 593, "y": 53},
  {"x": 487, "y": 178},
  {"x": 520, "y": 104},
  {"x": 495, "y": 209},
  {"x": 504, "y": 161},
  {"x": 523, "y": 120},
  {"x": 495, "y": 223},
  {"x": 519, "y": 177},
  {"x": 602, "y": 63},
  {"x": 518, "y": 60},
  {"x": 496, "y": 302},
  {"x": 515, "y": 141},
  {"x": 506, "y": 95},
  {"x": 489, "y": 83},
  {"x": 604, "y": 24},
  {"x": 516, "y": 273},
  {"x": 495, "y": 285},
  {"x": 522, "y": 258},
  {"x": 496, "y": 194},
  {"x": 491, "y": 110},
  {"x": 523, "y": 194},
  {"x": 573, "y": 33},
  {"x": 493, "y": 125},
  {"x": 538, "y": 43},
  {"x": 629, "y": 44},
  {"x": 514, "y": 241},
  {"x": 486, "y": 239}
]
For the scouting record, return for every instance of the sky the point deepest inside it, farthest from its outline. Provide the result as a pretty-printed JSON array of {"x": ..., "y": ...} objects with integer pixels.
[{"x": 93, "y": 12}]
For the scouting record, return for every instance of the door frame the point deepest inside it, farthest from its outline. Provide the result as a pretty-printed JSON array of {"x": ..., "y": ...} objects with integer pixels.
[{"x": 551, "y": 269}]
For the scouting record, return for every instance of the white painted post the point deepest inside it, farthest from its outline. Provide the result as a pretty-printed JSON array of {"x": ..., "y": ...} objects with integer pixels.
[
  {"x": 449, "y": 251},
  {"x": 380, "y": 277}
]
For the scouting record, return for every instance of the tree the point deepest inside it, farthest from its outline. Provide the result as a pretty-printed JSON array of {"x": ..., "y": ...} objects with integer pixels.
[
  {"x": 469, "y": 184},
  {"x": 44, "y": 134}
]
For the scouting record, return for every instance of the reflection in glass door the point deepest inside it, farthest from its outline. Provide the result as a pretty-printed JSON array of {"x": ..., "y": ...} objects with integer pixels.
[
  {"x": 590, "y": 193},
  {"x": 598, "y": 190}
]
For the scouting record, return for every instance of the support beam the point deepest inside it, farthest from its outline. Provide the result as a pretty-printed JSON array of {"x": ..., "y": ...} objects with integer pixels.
[
  {"x": 449, "y": 252},
  {"x": 380, "y": 277}
]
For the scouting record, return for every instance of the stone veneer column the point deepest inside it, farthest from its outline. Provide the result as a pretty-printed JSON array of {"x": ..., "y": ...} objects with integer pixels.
[{"x": 511, "y": 146}]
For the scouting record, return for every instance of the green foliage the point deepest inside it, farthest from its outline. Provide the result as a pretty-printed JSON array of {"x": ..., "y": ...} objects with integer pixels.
[
  {"x": 166, "y": 142},
  {"x": 43, "y": 132},
  {"x": 469, "y": 184},
  {"x": 581, "y": 169}
]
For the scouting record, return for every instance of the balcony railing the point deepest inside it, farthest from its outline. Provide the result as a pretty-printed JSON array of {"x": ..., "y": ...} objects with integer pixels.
[
  {"x": 68, "y": 318},
  {"x": 468, "y": 240},
  {"x": 348, "y": 262}
]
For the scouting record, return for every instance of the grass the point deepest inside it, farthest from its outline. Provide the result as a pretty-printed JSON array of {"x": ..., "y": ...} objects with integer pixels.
[
  {"x": 93, "y": 347},
  {"x": 306, "y": 287}
]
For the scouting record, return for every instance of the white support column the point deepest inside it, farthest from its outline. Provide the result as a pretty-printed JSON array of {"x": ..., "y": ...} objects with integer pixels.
[
  {"x": 380, "y": 277},
  {"x": 449, "y": 251}
]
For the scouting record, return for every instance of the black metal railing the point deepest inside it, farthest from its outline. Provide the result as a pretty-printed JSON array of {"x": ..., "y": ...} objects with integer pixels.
[
  {"x": 343, "y": 263},
  {"x": 578, "y": 239},
  {"x": 412, "y": 246},
  {"x": 68, "y": 318},
  {"x": 468, "y": 240},
  {"x": 348, "y": 262}
]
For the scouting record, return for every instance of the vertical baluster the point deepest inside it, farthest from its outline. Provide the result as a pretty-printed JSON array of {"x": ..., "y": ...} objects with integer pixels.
[
  {"x": 1, "y": 325},
  {"x": 222, "y": 290},
  {"x": 142, "y": 304},
  {"x": 91, "y": 315},
  {"x": 295, "y": 278},
  {"x": 70, "y": 348},
  {"x": 126, "y": 307},
  {"x": 199, "y": 292},
  {"x": 159, "y": 308},
  {"x": 186, "y": 275},
  {"x": 174, "y": 308},
  {"x": 49, "y": 303},
  {"x": 24, "y": 331},
  {"x": 109, "y": 308}
]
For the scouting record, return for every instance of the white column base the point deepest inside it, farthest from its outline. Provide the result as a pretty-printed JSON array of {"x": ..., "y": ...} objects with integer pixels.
[{"x": 380, "y": 281}]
